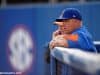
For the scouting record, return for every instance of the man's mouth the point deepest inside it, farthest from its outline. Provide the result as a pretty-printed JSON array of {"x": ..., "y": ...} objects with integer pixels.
[{"x": 65, "y": 28}]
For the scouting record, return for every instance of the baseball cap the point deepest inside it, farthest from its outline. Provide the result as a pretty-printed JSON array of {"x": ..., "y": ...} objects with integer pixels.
[{"x": 69, "y": 13}]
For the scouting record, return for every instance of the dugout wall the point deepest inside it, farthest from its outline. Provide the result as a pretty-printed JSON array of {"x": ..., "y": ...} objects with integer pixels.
[{"x": 24, "y": 30}]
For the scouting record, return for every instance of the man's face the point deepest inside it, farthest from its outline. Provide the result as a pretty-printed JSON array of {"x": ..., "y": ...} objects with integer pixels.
[{"x": 67, "y": 26}]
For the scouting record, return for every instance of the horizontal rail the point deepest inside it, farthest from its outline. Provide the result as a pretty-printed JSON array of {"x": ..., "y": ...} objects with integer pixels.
[{"x": 84, "y": 61}]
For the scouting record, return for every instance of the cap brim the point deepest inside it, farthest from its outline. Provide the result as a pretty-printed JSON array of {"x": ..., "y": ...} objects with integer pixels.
[{"x": 60, "y": 20}]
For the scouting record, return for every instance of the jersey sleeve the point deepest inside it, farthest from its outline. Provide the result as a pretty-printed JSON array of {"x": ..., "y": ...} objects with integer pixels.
[{"x": 82, "y": 42}]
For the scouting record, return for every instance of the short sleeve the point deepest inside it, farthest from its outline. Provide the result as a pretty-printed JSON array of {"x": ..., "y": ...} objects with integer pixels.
[{"x": 83, "y": 42}]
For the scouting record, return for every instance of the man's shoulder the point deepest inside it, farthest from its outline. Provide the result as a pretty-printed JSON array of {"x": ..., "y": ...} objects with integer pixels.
[{"x": 83, "y": 32}]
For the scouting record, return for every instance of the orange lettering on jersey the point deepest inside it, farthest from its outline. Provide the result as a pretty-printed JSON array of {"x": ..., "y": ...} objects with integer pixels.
[{"x": 72, "y": 37}]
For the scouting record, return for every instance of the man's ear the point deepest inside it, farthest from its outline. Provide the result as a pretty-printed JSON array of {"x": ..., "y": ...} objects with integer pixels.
[{"x": 77, "y": 23}]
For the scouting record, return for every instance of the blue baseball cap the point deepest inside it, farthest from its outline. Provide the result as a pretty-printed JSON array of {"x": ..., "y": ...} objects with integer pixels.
[{"x": 69, "y": 13}]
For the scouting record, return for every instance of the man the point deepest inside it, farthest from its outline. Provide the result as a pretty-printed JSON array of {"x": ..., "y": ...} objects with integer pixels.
[{"x": 71, "y": 33}]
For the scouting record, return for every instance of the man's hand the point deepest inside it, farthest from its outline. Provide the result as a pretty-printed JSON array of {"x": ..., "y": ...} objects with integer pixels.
[
  {"x": 58, "y": 41},
  {"x": 59, "y": 34},
  {"x": 56, "y": 33}
]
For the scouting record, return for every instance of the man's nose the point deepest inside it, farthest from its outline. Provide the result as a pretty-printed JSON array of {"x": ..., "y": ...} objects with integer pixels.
[{"x": 58, "y": 23}]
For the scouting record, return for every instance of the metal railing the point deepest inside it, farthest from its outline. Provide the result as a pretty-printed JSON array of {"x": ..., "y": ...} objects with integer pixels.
[{"x": 65, "y": 61}]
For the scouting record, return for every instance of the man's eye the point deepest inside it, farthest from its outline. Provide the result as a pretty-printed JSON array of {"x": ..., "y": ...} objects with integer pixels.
[{"x": 66, "y": 20}]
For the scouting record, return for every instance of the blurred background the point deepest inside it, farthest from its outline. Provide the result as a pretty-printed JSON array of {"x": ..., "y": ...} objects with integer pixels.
[
  {"x": 17, "y": 2},
  {"x": 27, "y": 25}
]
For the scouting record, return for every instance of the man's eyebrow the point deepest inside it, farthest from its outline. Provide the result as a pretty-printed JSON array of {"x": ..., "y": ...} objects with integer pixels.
[{"x": 66, "y": 20}]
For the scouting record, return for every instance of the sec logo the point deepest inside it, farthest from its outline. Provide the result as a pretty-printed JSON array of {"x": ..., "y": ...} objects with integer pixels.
[{"x": 21, "y": 47}]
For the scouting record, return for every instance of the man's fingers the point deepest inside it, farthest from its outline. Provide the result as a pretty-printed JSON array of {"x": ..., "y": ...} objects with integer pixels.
[{"x": 52, "y": 44}]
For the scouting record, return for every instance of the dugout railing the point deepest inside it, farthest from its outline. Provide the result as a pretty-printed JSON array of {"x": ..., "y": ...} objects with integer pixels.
[{"x": 58, "y": 64}]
